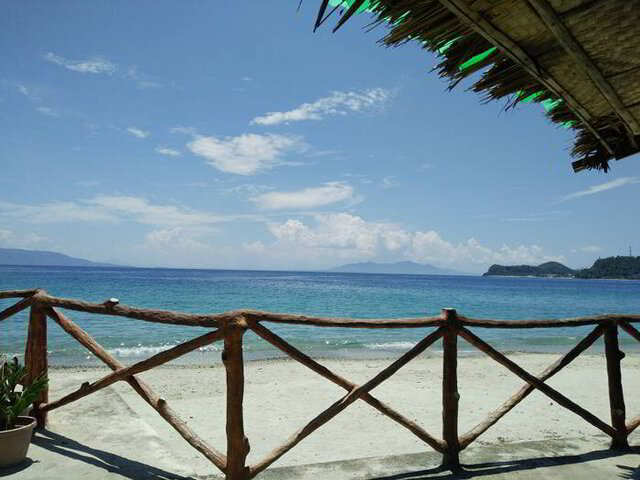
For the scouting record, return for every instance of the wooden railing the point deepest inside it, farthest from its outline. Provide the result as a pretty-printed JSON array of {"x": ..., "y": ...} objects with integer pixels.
[{"x": 230, "y": 327}]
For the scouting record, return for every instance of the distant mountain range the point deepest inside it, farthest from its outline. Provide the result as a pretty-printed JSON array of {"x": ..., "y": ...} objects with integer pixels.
[
  {"x": 411, "y": 268},
  {"x": 16, "y": 256},
  {"x": 610, "y": 267}
]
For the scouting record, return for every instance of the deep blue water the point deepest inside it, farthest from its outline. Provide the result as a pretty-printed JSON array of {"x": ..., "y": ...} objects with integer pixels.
[{"x": 326, "y": 294}]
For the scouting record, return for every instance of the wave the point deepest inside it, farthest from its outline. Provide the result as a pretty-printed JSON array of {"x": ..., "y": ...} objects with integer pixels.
[
  {"x": 390, "y": 345},
  {"x": 145, "y": 350}
]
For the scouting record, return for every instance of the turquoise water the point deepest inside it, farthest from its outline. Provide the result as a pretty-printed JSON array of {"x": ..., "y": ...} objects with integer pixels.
[{"x": 326, "y": 294}]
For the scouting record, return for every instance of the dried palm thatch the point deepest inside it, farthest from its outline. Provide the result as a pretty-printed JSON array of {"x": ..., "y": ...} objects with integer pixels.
[{"x": 579, "y": 58}]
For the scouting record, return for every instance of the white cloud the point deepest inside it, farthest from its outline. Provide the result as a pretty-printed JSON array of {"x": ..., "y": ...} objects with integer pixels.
[
  {"x": 390, "y": 182},
  {"x": 137, "y": 132},
  {"x": 10, "y": 239},
  {"x": 246, "y": 154},
  {"x": 337, "y": 103},
  {"x": 141, "y": 80},
  {"x": 345, "y": 237},
  {"x": 171, "y": 152},
  {"x": 602, "y": 187},
  {"x": 48, "y": 111},
  {"x": 184, "y": 130},
  {"x": 95, "y": 65},
  {"x": 102, "y": 66},
  {"x": 330, "y": 192},
  {"x": 587, "y": 249},
  {"x": 56, "y": 212},
  {"x": 111, "y": 209},
  {"x": 29, "y": 93},
  {"x": 142, "y": 211}
]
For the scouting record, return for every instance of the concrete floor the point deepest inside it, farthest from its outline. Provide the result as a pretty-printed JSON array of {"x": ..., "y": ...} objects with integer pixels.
[{"x": 54, "y": 456}]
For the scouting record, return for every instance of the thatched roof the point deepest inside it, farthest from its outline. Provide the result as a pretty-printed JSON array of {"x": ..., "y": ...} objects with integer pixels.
[{"x": 580, "y": 58}]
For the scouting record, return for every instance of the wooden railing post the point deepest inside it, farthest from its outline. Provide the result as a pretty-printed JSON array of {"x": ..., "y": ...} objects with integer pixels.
[
  {"x": 35, "y": 358},
  {"x": 237, "y": 443},
  {"x": 450, "y": 395},
  {"x": 616, "y": 394}
]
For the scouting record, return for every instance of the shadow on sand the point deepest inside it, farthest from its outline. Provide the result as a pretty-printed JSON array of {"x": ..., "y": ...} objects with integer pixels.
[
  {"x": 627, "y": 472},
  {"x": 110, "y": 462}
]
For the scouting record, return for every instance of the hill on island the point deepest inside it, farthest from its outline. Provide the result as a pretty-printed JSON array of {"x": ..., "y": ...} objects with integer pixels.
[
  {"x": 548, "y": 269},
  {"x": 410, "y": 268},
  {"x": 610, "y": 267},
  {"x": 16, "y": 256}
]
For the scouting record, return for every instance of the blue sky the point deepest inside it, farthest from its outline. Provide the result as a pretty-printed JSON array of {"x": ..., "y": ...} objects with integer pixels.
[{"x": 229, "y": 135}]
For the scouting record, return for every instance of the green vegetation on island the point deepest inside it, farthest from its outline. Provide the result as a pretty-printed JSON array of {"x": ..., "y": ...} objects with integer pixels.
[{"x": 610, "y": 267}]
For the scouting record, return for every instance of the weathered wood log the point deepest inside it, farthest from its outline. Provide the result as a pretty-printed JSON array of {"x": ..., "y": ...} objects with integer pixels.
[
  {"x": 36, "y": 361},
  {"x": 616, "y": 393},
  {"x": 344, "y": 402},
  {"x": 546, "y": 323},
  {"x": 142, "y": 366},
  {"x": 323, "y": 371},
  {"x": 15, "y": 308},
  {"x": 215, "y": 320},
  {"x": 521, "y": 394},
  {"x": 147, "y": 394},
  {"x": 17, "y": 293},
  {"x": 633, "y": 424},
  {"x": 257, "y": 316},
  {"x": 450, "y": 395},
  {"x": 237, "y": 443},
  {"x": 630, "y": 329},
  {"x": 543, "y": 387},
  {"x": 148, "y": 315}
]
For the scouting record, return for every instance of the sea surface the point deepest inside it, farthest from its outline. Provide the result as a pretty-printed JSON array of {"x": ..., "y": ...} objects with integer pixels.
[{"x": 313, "y": 293}]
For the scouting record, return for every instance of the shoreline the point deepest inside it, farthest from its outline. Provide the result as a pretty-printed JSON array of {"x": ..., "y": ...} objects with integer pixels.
[{"x": 97, "y": 365}]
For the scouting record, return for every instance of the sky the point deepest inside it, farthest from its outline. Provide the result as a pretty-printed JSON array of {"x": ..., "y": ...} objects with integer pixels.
[{"x": 230, "y": 135}]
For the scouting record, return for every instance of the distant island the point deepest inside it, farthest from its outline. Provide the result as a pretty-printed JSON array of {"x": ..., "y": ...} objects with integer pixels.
[
  {"x": 610, "y": 267},
  {"x": 407, "y": 267},
  {"x": 16, "y": 256},
  {"x": 548, "y": 269}
]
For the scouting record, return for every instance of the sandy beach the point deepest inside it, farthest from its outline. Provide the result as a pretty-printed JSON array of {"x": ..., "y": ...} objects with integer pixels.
[{"x": 282, "y": 395}]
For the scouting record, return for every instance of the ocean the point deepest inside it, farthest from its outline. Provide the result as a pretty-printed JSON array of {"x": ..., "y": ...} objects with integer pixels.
[{"x": 313, "y": 293}]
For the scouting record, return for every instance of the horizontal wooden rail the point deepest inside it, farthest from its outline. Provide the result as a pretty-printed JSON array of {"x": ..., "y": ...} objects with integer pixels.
[
  {"x": 18, "y": 293},
  {"x": 342, "y": 322},
  {"x": 548, "y": 323},
  {"x": 148, "y": 315},
  {"x": 214, "y": 320}
]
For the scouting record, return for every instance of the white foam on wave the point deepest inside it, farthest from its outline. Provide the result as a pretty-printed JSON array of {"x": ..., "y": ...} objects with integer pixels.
[
  {"x": 390, "y": 345},
  {"x": 145, "y": 350}
]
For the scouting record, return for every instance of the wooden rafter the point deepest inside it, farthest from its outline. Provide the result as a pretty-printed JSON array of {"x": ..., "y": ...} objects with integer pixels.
[
  {"x": 510, "y": 48},
  {"x": 559, "y": 30}
]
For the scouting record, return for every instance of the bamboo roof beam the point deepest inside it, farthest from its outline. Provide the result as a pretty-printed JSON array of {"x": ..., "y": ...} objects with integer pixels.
[
  {"x": 562, "y": 34},
  {"x": 510, "y": 48}
]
